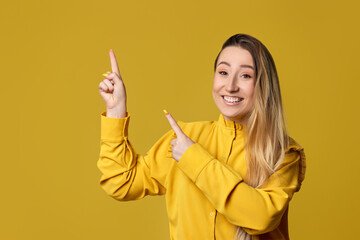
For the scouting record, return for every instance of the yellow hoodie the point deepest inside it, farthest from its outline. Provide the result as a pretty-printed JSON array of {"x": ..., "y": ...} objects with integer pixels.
[{"x": 206, "y": 195}]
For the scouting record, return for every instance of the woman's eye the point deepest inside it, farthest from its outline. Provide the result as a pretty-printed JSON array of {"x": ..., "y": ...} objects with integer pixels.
[
  {"x": 245, "y": 76},
  {"x": 223, "y": 73}
]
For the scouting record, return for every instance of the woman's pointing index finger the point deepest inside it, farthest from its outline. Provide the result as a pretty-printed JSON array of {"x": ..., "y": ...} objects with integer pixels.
[{"x": 114, "y": 64}]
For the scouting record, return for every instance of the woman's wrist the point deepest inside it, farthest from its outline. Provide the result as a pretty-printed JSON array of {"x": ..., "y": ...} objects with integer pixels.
[{"x": 112, "y": 113}]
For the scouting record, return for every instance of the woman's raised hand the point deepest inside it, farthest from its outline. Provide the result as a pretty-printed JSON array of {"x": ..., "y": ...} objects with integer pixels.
[{"x": 112, "y": 90}]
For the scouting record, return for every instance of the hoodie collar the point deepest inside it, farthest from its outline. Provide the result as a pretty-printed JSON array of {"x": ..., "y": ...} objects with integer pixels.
[{"x": 230, "y": 125}]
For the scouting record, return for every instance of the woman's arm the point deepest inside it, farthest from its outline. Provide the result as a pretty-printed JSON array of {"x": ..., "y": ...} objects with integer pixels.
[
  {"x": 125, "y": 174},
  {"x": 256, "y": 210}
]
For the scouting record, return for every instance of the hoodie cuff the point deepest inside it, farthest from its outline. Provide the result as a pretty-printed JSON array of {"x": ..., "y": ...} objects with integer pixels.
[
  {"x": 194, "y": 160},
  {"x": 114, "y": 129}
]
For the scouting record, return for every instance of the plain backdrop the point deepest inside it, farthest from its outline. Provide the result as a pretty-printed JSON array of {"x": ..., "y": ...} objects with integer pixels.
[{"x": 54, "y": 52}]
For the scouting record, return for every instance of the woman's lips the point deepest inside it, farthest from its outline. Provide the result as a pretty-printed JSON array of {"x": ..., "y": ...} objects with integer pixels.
[{"x": 232, "y": 100}]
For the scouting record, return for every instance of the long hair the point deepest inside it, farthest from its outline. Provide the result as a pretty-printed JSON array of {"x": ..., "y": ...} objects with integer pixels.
[{"x": 266, "y": 133}]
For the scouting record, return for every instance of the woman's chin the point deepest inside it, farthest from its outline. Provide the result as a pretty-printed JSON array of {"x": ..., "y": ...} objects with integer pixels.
[
  {"x": 232, "y": 117},
  {"x": 238, "y": 117}
]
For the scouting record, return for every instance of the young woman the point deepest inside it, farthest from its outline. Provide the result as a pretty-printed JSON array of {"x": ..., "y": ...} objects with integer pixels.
[{"x": 227, "y": 179}]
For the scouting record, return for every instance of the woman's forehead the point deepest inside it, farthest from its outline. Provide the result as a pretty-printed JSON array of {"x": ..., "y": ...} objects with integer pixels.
[{"x": 235, "y": 56}]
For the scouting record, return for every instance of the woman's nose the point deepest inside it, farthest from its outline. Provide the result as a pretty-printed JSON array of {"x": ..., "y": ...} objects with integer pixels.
[{"x": 231, "y": 85}]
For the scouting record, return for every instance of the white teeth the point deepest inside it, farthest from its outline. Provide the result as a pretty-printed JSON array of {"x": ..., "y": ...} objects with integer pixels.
[{"x": 232, "y": 99}]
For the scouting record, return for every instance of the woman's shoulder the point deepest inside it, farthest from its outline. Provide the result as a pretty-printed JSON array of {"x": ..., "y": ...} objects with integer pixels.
[
  {"x": 293, "y": 145},
  {"x": 295, "y": 149}
]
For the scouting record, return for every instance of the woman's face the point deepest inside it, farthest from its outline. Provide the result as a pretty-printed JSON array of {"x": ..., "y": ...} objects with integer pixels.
[{"x": 234, "y": 81}]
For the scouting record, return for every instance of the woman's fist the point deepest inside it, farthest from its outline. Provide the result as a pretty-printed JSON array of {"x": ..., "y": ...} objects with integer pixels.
[
  {"x": 112, "y": 90},
  {"x": 180, "y": 144}
]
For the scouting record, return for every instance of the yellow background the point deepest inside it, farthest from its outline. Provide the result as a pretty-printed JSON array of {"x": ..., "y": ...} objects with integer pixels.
[{"x": 54, "y": 52}]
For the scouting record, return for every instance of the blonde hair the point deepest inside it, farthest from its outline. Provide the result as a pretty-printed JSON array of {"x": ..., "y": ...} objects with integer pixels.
[{"x": 266, "y": 132}]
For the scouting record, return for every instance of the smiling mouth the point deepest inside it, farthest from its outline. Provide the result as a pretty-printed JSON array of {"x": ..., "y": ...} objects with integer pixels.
[{"x": 232, "y": 99}]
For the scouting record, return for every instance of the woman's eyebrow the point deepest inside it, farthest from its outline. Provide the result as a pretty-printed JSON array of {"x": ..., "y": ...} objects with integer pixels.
[
  {"x": 246, "y": 66},
  {"x": 242, "y": 65},
  {"x": 228, "y": 64}
]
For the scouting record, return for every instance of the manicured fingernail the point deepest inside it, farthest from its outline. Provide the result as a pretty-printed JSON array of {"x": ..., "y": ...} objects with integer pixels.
[
  {"x": 105, "y": 74},
  {"x": 166, "y": 112}
]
